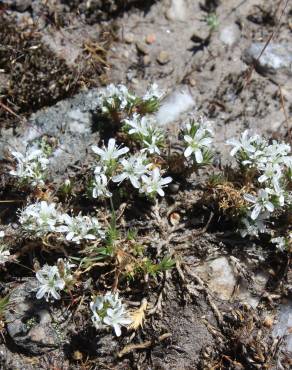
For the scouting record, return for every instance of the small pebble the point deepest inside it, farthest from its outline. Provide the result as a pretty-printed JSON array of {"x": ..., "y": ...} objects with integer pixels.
[
  {"x": 142, "y": 48},
  {"x": 146, "y": 60},
  {"x": 174, "y": 218},
  {"x": 163, "y": 57},
  {"x": 192, "y": 82},
  {"x": 173, "y": 187},
  {"x": 126, "y": 54},
  {"x": 151, "y": 38},
  {"x": 129, "y": 38}
]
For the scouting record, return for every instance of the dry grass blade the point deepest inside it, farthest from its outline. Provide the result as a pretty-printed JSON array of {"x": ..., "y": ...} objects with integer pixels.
[
  {"x": 138, "y": 316},
  {"x": 287, "y": 121}
]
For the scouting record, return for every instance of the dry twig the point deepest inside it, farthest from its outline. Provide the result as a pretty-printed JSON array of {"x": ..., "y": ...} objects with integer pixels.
[{"x": 149, "y": 343}]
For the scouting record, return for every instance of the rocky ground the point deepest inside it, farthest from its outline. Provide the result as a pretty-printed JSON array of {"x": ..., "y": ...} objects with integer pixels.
[{"x": 227, "y": 302}]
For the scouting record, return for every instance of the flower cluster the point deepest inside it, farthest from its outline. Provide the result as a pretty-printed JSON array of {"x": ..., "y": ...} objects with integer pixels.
[
  {"x": 30, "y": 166},
  {"x": 4, "y": 252},
  {"x": 80, "y": 228},
  {"x": 53, "y": 279},
  {"x": 132, "y": 168},
  {"x": 270, "y": 165},
  {"x": 198, "y": 137},
  {"x": 117, "y": 98},
  {"x": 145, "y": 130},
  {"x": 42, "y": 218},
  {"x": 153, "y": 93},
  {"x": 108, "y": 310},
  {"x": 113, "y": 165}
]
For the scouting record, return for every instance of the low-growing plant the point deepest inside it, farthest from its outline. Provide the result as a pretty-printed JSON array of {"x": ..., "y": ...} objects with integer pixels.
[{"x": 98, "y": 238}]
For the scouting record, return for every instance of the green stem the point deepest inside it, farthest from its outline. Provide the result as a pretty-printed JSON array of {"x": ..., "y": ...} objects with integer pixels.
[{"x": 114, "y": 218}]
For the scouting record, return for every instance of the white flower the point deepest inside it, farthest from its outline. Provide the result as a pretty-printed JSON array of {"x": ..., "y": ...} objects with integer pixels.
[
  {"x": 280, "y": 242},
  {"x": 287, "y": 161},
  {"x": 277, "y": 152},
  {"x": 100, "y": 184},
  {"x": 261, "y": 203},
  {"x": 280, "y": 194},
  {"x": 147, "y": 130},
  {"x": 109, "y": 310},
  {"x": 133, "y": 168},
  {"x": 50, "y": 282},
  {"x": 154, "y": 183},
  {"x": 140, "y": 125},
  {"x": 4, "y": 254},
  {"x": 114, "y": 98},
  {"x": 271, "y": 172},
  {"x": 116, "y": 318},
  {"x": 253, "y": 227},
  {"x": 31, "y": 165},
  {"x": 198, "y": 137},
  {"x": 244, "y": 143},
  {"x": 153, "y": 93},
  {"x": 109, "y": 153},
  {"x": 151, "y": 145},
  {"x": 196, "y": 143},
  {"x": 2, "y": 234},
  {"x": 80, "y": 227},
  {"x": 199, "y": 123},
  {"x": 40, "y": 218}
]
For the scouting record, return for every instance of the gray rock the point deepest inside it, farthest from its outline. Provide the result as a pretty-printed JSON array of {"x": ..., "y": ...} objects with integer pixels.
[
  {"x": 276, "y": 59},
  {"x": 283, "y": 326},
  {"x": 252, "y": 298},
  {"x": 177, "y": 10},
  {"x": 69, "y": 122},
  {"x": 178, "y": 102},
  {"x": 29, "y": 322},
  {"x": 230, "y": 34}
]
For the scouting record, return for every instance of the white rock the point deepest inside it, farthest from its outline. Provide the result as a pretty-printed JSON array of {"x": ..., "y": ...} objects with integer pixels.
[
  {"x": 230, "y": 34},
  {"x": 222, "y": 279},
  {"x": 174, "y": 105},
  {"x": 177, "y": 10},
  {"x": 283, "y": 327},
  {"x": 219, "y": 276}
]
